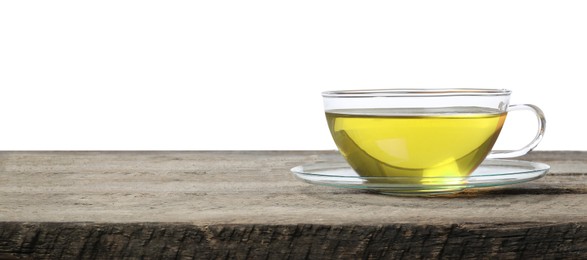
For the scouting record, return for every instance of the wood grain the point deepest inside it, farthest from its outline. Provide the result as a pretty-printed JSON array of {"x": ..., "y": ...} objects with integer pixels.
[
  {"x": 302, "y": 241},
  {"x": 237, "y": 205}
]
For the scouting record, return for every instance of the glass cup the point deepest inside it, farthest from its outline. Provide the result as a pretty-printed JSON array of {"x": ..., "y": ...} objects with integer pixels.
[{"x": 421, "y": 133}]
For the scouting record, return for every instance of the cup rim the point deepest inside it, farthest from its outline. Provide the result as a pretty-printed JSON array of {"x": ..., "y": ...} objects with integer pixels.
[{"x": 416, "y": 92}]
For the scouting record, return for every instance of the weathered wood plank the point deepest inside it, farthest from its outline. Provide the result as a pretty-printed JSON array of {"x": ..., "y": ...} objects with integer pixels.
[
  {"x": 302, "y": 241},
  {"x": 256, "y": 187},
  {"x": 247, "y": 205}
]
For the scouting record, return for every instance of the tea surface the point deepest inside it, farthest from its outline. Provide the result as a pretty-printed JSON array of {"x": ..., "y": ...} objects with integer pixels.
[{"x": 427, "y": 142}]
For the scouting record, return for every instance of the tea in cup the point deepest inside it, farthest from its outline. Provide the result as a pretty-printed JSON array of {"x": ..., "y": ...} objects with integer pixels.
[{"x": 424, "y": 135}]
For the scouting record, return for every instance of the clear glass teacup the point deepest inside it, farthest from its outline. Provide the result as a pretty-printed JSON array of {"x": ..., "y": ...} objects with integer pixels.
[{"x": 421, "y": 134}]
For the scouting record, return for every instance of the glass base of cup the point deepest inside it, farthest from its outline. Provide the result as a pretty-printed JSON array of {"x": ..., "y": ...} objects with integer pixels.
[{"x": 421, "y": 193}]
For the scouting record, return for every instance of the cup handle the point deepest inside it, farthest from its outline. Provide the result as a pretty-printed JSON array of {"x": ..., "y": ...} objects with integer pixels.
[{"x": 526, "y": 149}]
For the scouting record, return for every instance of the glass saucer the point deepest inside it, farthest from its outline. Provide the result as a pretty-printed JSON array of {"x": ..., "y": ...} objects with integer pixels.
[{"x": 492, "y": 172}]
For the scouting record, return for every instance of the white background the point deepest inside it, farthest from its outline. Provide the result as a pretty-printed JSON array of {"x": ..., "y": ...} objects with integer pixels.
[{"x": 95, "y": 75}]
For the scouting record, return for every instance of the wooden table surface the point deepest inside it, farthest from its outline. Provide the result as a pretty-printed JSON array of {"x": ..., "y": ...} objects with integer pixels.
[{"x": 247, "y": 204}]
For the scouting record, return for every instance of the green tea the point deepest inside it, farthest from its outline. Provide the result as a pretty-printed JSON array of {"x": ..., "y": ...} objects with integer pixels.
[{"x": 426, "y": 142}]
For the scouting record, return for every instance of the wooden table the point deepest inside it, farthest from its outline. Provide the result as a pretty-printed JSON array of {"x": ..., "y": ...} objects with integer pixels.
[{"x": 246, "y": 204}]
